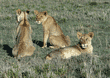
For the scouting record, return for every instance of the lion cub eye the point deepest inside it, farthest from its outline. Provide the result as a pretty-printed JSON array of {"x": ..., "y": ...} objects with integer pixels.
[{"x": 86, "y": 39}]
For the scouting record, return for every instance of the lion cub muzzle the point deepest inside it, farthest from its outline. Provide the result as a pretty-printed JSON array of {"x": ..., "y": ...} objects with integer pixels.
[
  {"x": 84, "y": 45},
  {"x": 38, "y": 22}
]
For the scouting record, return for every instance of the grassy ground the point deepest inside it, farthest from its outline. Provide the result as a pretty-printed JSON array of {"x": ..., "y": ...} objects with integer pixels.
[{"x": 73, "y": 16}]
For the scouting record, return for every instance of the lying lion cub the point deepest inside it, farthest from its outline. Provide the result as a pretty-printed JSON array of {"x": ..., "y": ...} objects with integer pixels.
[
  {"x": 51, "y": 30},
  {"x": 24, "y": 45},
  {"x": 84, "y": 46}
]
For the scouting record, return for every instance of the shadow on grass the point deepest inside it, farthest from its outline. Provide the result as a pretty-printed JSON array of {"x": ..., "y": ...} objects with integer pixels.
[
  {"x": 1, "y": 46},
  {"x": 93, "y": 3},
  {"x": 8, "y": 49},
  {"x": 40, "y": 43}
]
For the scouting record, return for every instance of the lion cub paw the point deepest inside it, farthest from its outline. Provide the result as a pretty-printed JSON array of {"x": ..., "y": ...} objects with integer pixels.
[
  {"x": 44, "y": 46},
  {"x": 55, "y": 47},
  {"x": 51, "y": 46}
]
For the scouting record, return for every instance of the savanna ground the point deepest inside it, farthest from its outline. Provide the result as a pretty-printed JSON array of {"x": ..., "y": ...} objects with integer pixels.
[{"x": 73, "y": 16}]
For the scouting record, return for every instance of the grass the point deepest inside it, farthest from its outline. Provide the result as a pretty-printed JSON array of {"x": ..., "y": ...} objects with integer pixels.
[{"x": 73, "y": 16}]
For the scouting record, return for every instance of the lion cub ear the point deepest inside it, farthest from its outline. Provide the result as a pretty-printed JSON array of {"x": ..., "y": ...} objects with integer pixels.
[
  {"x": 27, "y": 11},
  {"x": 45, "y": 13},
  {"x": 79, "y": 35},
  {"x": 18, "y": 11},
  {"x": 36, "y": 12},
  {"x": 91, "y": 34}
]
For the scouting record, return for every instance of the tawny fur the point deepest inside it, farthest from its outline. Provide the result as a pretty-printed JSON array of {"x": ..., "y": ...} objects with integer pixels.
[
  {"x": 84, "y": 46},
  {"x": 24, "y": 45},
  {"x": 51, "y": 30}
]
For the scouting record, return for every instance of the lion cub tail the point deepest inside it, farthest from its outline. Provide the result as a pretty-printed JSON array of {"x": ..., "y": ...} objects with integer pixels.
[
  {"x": 68, "y": 40},
  {"x": 48, "y": 57},
  {"x": 53, "y": 54}
]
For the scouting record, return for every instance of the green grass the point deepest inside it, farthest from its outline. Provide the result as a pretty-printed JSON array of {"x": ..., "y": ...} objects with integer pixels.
[{"x": 73, "y": 16}]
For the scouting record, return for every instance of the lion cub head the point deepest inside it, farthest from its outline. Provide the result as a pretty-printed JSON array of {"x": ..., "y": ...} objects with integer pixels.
[
  {"x": 21, "y": 15},
  {"x": 85, "y": 39},
  {"x": 40, "y": 16}
]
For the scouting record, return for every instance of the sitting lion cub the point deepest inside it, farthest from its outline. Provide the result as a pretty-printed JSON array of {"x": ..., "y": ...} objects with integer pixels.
[
  {"x": 84, "y": 46},
  {"x": 24, "y": 45},
  {"x": 51, "y": 30}
]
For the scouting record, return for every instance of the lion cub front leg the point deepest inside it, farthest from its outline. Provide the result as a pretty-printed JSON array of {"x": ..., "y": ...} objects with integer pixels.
[
  {"x": 18, "y": 29},
  {"x": 30, "y": 29},
  {"x": 46, "y": 35},
  {"x": 54, "y": 47}
]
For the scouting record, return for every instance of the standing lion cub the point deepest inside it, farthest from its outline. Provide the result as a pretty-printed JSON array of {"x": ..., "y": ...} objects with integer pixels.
[
  {"x": 51, "y": 30},
  {"x": 24, "y": 45},
  {"x": 84, "y": 46}
]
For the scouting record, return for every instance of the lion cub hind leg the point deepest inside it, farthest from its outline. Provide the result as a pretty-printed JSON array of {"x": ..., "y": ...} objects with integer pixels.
[
  {"x": 23, "y": 54},
  {"x": 30, "y": 51},
  {"x": 27, "y": 52},
  {"x": 57, "y": 41},
  {"x": 53, "y": 54},
  {"x": 21, "y": 49},
  {"x": 65, "y": 53}
]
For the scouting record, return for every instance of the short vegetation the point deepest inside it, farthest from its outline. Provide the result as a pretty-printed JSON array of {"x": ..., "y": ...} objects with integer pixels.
[{"x": 72, "y": 16}]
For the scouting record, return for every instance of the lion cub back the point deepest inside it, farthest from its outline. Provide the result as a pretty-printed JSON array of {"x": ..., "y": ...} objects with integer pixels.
[{"x": 24, "y": 46}]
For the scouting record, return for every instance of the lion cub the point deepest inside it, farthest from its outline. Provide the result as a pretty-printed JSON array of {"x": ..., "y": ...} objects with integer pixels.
[
  {"x": 24, "y": 45},
  {"x": 84, "y": 46},
  {"x": 51, "y": 30}
]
